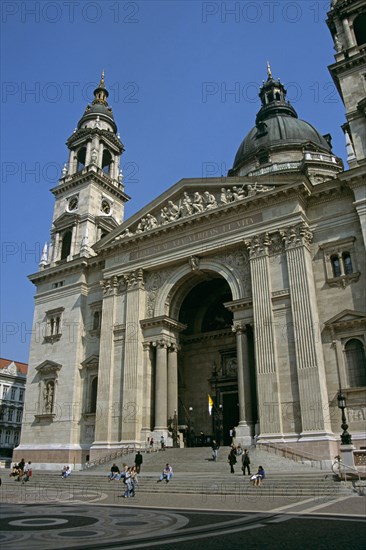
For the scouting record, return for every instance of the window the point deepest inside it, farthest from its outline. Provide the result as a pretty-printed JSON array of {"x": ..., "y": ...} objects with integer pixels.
[
  {"x": 10, "y": 415},
  {"x": 5, "y": 392},
  {"x": 347, "y": 263},
  {"x": 7, "y": 437},
  {"x": 66, "y": 245},
  {"x": 16, "y": 438},
  {"x": 21, "y": 395},
  {"x": 81, "y": 156},
  {"x": 336, "y": 266},
  {"x": 54, "y": 324},
  {"x": 355, "y": 363},
  {"x": 359, "y": 27},
  {"x": 58, "y": 284},
  {"x": 19, "y": 416},
  {"x": 339, "y": 259},
  {"x": 93, "y": 395},
  {"x": 96, "y": 320},
  {"x": 106, "y": 162},
  {"x": 12, "y": 394}
]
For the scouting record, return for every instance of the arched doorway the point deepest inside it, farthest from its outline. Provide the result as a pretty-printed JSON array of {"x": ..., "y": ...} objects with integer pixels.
[{"x": 207, "y": 370}]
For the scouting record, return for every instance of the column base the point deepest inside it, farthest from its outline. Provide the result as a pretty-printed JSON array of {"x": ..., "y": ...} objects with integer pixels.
[
  {"x": 243, "y": 434},
  {"x": 347, "y": 456}
]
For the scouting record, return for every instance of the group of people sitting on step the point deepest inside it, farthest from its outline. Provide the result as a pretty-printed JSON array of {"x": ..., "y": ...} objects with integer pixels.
[
  {"x": 128, "y": 475},
  {"x": 237, "y": 451},
  {"x": 22, "y": 471}
]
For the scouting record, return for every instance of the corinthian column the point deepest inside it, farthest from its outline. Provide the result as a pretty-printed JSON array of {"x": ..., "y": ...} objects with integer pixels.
[
  {"x": 243, "y": 429},
  {"x": 161, "y": 386},
  {"x": 309, "y": 356},
  {"x": 269, "y": 401},
  {"x": 172, "y": 380},
  {"x": 104, "y": 423}
]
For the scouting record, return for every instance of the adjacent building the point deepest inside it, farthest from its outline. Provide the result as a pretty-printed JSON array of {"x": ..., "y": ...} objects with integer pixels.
[
  {"x": 246, "y": 292},
  {"x": 13, "y": 375}
]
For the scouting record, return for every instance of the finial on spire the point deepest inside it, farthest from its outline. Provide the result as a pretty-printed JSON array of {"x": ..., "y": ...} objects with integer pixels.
[
  {"x": 101, "y": 83},
  {"x": 269, "y": 72}
]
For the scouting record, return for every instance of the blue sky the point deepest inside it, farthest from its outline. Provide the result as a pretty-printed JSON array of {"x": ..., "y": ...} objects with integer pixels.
[{"x": 183, "y": 79}]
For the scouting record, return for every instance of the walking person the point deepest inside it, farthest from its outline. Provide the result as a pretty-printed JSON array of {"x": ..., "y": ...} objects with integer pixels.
[
  {"x": 27, "y": 472},
  {"x": 232, "y": 459},
  {"x": 134, "y": 482},
  {"x": 138, "y": 462},
  {"x": 128, "y": 483},
  {"x": 245, "y": 460},
  {"x": 215, "y": 448},
  {"x": 162, "y": 443}
]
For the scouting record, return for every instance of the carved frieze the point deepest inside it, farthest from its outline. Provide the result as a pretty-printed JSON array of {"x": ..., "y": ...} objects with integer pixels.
[
  {"x": 153, "y": 282},
  {"x": 112, "y": 286},
  {"x": 190, "y": 205}
]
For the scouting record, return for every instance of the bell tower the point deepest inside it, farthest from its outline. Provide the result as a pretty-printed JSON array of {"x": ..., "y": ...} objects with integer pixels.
[
  {"x": 347, "y": 23},
  {"x": 90, "y": 198}
]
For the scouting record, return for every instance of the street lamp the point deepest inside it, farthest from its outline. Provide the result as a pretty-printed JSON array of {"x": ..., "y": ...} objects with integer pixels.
[
  {"x": 345, "y": 436},
  {"x": 190, "y": 433}
]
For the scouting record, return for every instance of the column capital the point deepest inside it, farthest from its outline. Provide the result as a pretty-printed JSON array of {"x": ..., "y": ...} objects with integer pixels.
[
  {"x": 111, "y": 286},
  {"x": 258, "y": 245},
  {"x": 239, "y": 327},
  {"x": 297, "y": 235},
  {"x": 135, "y": 279},
  {"x": 174, "y": 347},
  {"x": 162, "y": 343}
]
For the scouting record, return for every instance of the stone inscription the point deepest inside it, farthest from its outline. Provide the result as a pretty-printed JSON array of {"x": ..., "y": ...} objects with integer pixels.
[{"x": 196, "y": 237}]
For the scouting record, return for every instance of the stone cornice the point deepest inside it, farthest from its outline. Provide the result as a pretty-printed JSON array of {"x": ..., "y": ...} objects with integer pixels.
[
  {"x": 163, "y": 321},
  {"x": 214, "y": 335},
  {"x": 77, "y": 264},
  {"x": 62, "y": 292},
  {"x": 88, "y": 174},
  {"x": 240, "y": 305}
]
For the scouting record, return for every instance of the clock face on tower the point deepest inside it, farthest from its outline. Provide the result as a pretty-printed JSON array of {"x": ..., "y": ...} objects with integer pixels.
[
  {"x": 73, "y": 204},
  {"x": 105, "y": 207}
]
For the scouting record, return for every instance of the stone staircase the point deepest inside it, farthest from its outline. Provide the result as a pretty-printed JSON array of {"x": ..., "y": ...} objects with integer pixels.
[{"x": 196, "y": 473}]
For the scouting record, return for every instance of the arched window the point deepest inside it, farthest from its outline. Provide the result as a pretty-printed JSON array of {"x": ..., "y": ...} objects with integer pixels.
[
  {"x": 356, "y": 363},
  {"x": 106, "y": 161},
  {"x": 336, "y": 266},
  {"x": 81, "y": 156},
  {"x": 359, "y": 27},
  {"x": 347, "y": 263},
  {"x": 93, "y": 395},
  {"x": 66, "y": 245},
  {"x": 96, "y": 320}
]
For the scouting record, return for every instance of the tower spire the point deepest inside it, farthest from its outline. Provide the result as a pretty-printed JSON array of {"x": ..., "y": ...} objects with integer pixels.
[
  {"x": 269, "y": 72},
  {"x": 101, "y": 83}
]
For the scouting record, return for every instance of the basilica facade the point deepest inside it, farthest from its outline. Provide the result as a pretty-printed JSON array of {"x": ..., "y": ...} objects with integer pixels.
[{"x": 231, "y": 302}]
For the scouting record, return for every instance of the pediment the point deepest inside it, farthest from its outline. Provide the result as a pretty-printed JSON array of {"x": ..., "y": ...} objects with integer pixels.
[
  {"x": 65, "y": 220},
  {"x": 48, "y": 367},
  {"x": 191, "y": 199},
  {"x": 91, "y": 362},
  {"x": 347, "y": 316},
  {"x": 10, "y": 369}
]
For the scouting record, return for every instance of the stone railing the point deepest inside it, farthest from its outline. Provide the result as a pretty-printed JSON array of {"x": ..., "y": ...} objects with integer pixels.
[{"x": 310, "y": 459}]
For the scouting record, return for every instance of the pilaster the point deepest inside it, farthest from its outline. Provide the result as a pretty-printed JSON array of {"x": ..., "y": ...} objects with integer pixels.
[
  {"x": 309, "y": 357},
  {"x": 265, "y": 346}
]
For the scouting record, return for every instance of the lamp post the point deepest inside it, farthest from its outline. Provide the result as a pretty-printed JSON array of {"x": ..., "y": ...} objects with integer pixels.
[
  {"x": 345, "y": 436},
  {"x": 190, "y": 435}
]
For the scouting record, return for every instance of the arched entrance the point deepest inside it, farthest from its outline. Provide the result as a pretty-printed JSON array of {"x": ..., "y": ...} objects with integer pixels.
[{"x": 207, "y": 367}]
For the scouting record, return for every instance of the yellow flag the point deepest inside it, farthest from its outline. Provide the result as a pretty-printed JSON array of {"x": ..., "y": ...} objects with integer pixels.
[{"x": 210, "y": 403}]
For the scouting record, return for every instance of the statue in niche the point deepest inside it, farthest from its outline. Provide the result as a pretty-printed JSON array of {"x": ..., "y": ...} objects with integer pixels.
[
  {"x": 197, "y": 205},
  {"x": 48, "y": 397},
  {"x": 210, "y": 200},
  {"x": 231, "y": 367}
]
